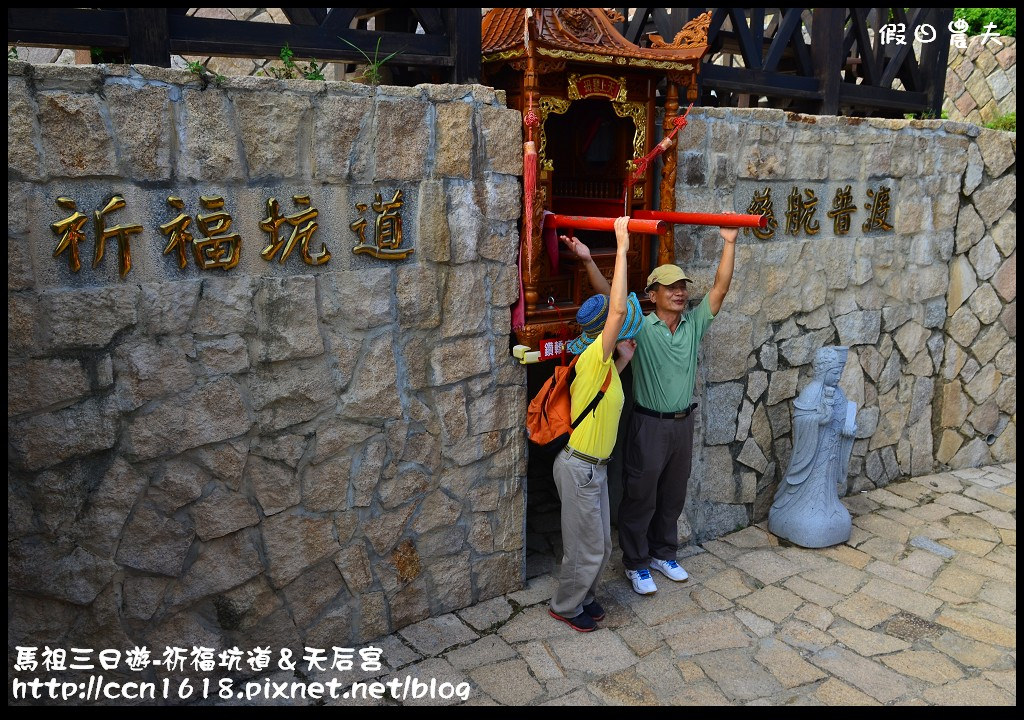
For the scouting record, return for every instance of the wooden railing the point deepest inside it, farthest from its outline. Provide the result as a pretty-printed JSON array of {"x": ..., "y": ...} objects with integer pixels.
[
  {"x": 828, "y": 61},
  {"x": 822, "y": 60},
  {"x": 446, "y": 50}
]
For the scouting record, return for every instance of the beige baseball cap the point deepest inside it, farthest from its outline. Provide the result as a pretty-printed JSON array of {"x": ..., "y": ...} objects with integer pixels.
[{"x": 665, "y": 275}]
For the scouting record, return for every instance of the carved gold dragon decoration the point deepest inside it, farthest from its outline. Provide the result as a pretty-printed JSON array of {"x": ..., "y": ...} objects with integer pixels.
[{"x": 694, "y": 33}]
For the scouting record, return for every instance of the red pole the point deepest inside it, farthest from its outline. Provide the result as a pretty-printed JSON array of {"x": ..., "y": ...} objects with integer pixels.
[
  {"x": 651, "y": 226},
  {"x": 716, "y": 219}
]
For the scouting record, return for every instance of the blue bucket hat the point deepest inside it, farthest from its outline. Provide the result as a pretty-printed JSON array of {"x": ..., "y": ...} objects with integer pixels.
[{"x": 593, "y": 314}]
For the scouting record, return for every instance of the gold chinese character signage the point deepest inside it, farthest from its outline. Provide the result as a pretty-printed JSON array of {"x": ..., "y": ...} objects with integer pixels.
[
  {"x": 387, "y": 235},
  {"x": 878, "y": 210},
  {"x": 802, "y": 206},
  {"x": 800, "y": 214},
  {"x": 70, "y": 231},
  {"x": 762, "y": 204},
  {"x": 842, "y": 207},
  {"x": 273, "y": 222},
  {"x": 216, "y": 247}
]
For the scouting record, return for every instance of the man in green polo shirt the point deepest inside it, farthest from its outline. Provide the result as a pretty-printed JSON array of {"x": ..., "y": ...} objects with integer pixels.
[{"x": 659, "y": 438}]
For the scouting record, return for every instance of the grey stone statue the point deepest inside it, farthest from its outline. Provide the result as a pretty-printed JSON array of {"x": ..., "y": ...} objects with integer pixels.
[{"x": 806, "y": 509}]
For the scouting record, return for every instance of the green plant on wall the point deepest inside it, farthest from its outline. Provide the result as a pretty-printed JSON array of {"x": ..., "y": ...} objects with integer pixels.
[
  {"x": 927, "y": 115},
  {"x": 372, "y": 72},
  {"x": 1004, "y": 122},
  {"x": 204, "y": 73},
  {"x": 1005, "y": 20},
  {"x": 293, "y": 70}
]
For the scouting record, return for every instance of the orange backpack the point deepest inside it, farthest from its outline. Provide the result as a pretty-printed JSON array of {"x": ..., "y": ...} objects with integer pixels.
[{"x": 549, "y": 416}]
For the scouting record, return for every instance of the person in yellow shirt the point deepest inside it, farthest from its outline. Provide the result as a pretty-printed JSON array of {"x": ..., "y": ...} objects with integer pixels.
[{"x": 581, "y": 469}]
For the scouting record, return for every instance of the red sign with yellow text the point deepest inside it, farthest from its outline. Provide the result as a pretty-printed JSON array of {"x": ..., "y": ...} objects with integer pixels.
[{"x": 599, "y": 85}]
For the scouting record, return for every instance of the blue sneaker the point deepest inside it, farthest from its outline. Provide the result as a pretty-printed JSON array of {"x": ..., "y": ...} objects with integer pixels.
[
  {"x": 642, "y": 582},
  {"x": 670, "y": 569}
]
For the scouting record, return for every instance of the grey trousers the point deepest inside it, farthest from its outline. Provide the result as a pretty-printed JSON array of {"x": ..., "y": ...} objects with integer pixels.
[
  {"x": 586, "y": 532},
  {"x": 656, "y": 473}
]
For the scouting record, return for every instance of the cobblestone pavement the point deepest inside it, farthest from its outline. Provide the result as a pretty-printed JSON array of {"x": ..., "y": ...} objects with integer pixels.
[{"x": 918, "y": 608}]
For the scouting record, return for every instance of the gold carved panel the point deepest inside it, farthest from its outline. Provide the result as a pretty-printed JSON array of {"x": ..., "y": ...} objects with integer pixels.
[
  {"x": 637, "y": 111},
  {"x": 548, "y": 105}
]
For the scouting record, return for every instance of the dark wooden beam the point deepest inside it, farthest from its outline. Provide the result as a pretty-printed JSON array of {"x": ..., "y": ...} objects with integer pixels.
[
  {"x": 67, "y": 27},
  {"x": 663, "y": 24},
  {"x": 901, "y": 57},
  {"x": 749, "y": 51},
  {"x": 895, "y": 64},
  {"x": 758, "y": 82},
  {"x": 431, "y": 20},
  {"x": 149, "y": 41},
  {"x": 782, "y": 39},
  {"x": 339, "y": 19},
  {"x": 801, "y": 51},
  {"x": 718, "y": 17},
  {"x": 635, "y": 29},
  {"x": 849, "y": 38},
  {"x": 305, "y": 16},
  {"x": 464, "y": 35},
  {"x": 878, "y": 17},
  {"x": 935, "y": 61},
  {"x": 757, "y": 30},
  {"x": 867, "y": 96},
  {"x": 870, "y": 65},
  {"x": 827, "y": 56},
  {"x": 208, "y": 36}
]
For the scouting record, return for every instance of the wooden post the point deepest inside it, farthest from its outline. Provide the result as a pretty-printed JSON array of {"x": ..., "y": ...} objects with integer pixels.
[
  {"x": 935, "y": 61},
  {"x": 530, "y": 243},
  {"x": 827, "y": 55},
  {"x": 464, "y": 35},
  {"x": 149, "y": 40},
  {"x": 670, "y": 159}
]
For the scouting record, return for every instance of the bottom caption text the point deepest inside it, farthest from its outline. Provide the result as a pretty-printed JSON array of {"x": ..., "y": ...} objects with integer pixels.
[{"x": 99, "y": 689}]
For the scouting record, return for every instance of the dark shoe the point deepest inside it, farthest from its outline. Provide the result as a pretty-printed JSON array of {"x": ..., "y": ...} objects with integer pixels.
[
  {"x": 581, "y": 623},
  {"x": 595, "y": 611}
]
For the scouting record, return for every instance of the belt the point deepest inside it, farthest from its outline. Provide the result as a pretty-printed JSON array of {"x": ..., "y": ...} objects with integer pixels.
[
  {"x": 586, "y": 458},
  {"x": 665, "y": 415}
]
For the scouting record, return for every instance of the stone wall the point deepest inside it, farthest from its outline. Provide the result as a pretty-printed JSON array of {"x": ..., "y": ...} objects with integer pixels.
[
  {"x": 927, "y": 307},
  {"x": 981, "y": 81},
  {"x": 977, "y": 401},
  {"x": 280, "y": 453}
]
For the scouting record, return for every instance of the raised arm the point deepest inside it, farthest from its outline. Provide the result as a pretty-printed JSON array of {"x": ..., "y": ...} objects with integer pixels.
[
  {"x": 626, "y": 349},
  {"x": 617, "y": 294},
  {"x": 582, "y": 252},
  {"x": 723, "y": 276}
]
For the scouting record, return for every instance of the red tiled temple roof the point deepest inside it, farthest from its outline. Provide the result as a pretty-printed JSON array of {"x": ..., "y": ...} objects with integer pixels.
[{"x": 588, "y": 31}]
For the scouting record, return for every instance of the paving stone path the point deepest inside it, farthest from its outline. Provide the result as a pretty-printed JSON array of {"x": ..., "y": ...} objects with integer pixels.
[{"x": 918, "y": 608}]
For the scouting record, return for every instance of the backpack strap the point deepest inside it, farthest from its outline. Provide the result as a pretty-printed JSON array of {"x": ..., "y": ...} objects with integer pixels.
[{"x": 592, "y": 407}]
